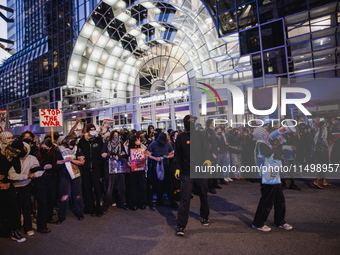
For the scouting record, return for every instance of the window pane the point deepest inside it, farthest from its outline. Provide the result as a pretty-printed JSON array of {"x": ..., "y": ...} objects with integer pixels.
[
  {"x": 294, "y": 6},
  {"x": 247, "y": 16},
  {"x": 269, "y": 40},
  {"x": 257, "y": 65},
  {"x": 275, "y": 61},
  {"x": 224, "y": 5},
  {"x": 249, "y": 41},
  {"x": 227, "y": 22},
  {"x": 270, "y": 10}
]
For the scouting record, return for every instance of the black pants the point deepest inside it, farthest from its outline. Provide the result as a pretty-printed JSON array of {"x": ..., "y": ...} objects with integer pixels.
[
  {"x": 9, "y": 207},
  {"x": 51, "y": 190},
  {"x": 271, "y": 195},
  {"x": 24, "y": 204},
  {"x": 112, "y": 181},
  {"x": 91, "y": 179},
  {"x": 184, "y": 206},
  {"x": 167, "y": 183},
  {"x": 65, "y": 186},
  {"x": 137, "y": 188}
]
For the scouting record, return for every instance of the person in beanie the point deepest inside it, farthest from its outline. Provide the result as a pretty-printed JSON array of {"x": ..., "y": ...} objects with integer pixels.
[
  {"x": 10, "y": 158},
  {"x": 91, "y": 145},
  {"x": 271, "y": 194},
  {"x": 182, "y": 160}
]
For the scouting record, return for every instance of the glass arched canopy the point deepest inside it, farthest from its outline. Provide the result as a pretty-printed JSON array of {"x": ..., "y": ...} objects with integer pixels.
[{"x": 126, "y": 42}]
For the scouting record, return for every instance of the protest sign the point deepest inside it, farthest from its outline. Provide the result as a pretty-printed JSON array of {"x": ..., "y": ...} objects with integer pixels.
[
  {"x": 3, "y": 115},
  {"x": 118, "y": 166},
  {"x": 50, "y": 118},
  {"x": 108, "y": 126},
  {"x": 138, "y": 159}
]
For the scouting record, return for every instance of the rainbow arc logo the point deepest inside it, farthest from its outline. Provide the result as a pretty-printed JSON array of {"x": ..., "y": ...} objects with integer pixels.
[{"x": 209, "y": 93}]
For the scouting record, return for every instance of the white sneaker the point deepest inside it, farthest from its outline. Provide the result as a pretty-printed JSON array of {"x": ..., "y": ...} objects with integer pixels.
[
  {"x": 230, "y": 179},
  {"x": 114, "y": 204},
  {"x": 30, "y": 233},
  {"x": 264, "y": 228},
  {"x": 226, "y": 179},
  {"x": 286, "y": 226}
]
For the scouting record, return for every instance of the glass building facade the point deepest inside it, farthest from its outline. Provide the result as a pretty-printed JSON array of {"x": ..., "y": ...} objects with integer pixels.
[{"x": 103, "y": 59}]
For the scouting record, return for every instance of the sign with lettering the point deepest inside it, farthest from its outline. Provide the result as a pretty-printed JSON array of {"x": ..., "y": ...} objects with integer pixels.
[
  {"x": 50, "y": 118},
  {"x": 3, "y": 114},
  {"x": 138, "y": 159}
]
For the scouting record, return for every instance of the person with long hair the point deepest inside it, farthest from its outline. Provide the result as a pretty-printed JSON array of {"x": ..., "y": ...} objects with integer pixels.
[
  {"x": 45, "y": 188},
  {"x": 136, "y": 181},
  {"x": 114, "y": 149}
]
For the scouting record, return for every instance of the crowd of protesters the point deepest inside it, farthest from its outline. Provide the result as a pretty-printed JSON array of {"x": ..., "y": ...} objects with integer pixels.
[{"x": 35, "y": 177}]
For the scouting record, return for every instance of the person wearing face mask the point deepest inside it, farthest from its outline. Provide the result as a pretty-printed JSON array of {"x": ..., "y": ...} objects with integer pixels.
[
  {"x": 5, "y": 138},
  {"x": 30, "y": 168},
  {"x": 158, "y": 150},
  {"x": 190, "y": 151},
  {"x": 136, "y": 181},
  {"x": 272, "y": 195},
  {"x": 75, "y": 157},
  {"x": 114, "y": 149},
  {"x": 10, "y": 161},
  {"x": 91, "y": 145},
  {"x": 28, "y": 137},
  {"x": 46, "y": 188}
]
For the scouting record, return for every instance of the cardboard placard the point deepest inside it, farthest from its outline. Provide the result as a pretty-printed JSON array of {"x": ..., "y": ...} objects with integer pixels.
[
  {"x": 108, "y": 126},
  {"x": 50, "y": 118},
  {"x": 3, "y": 116},
  {"x": 138, "y": 159}
]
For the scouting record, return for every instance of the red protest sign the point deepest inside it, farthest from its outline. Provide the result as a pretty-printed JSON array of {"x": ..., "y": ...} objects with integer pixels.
[
  {"x": 138, "y": 159},
  {"x": 50, "y": 118}
]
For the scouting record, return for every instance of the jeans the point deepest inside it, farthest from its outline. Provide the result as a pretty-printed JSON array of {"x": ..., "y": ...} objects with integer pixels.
[
  {"x": 184, "y": 206},
  {"x": 236, "y": 160},
  {"x": 51, "y": 189},
  {"x": 67, "y": 185},
  {"x": 24, "y": 205},
  {"x": 271, "y": 195}
]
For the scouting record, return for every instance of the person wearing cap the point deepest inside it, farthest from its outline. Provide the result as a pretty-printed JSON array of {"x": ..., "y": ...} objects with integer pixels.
[
  {"x": 190, "y": 151},
  {"x": 160, "y": 151},
  {"x": 272, "y": 195},
  {"x": 74, "y": 157},
  {"x": 91, "y": 145},
  {"x": 10, "y": 158}
]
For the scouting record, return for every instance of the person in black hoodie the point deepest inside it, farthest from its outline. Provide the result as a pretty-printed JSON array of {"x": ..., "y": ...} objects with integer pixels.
[
  {"x": 46, "y": 187},
  {"x": 91, "y": 145},
  {"x": 10, "y": 157},
  {"x": 190, "y": 152},
  {"x": 114, "y": 149},
  {"x": 160, "y": 151}
]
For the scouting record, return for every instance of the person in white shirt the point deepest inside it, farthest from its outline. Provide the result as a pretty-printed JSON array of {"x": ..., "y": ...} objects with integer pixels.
[{"x": 30, "y": 168}]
